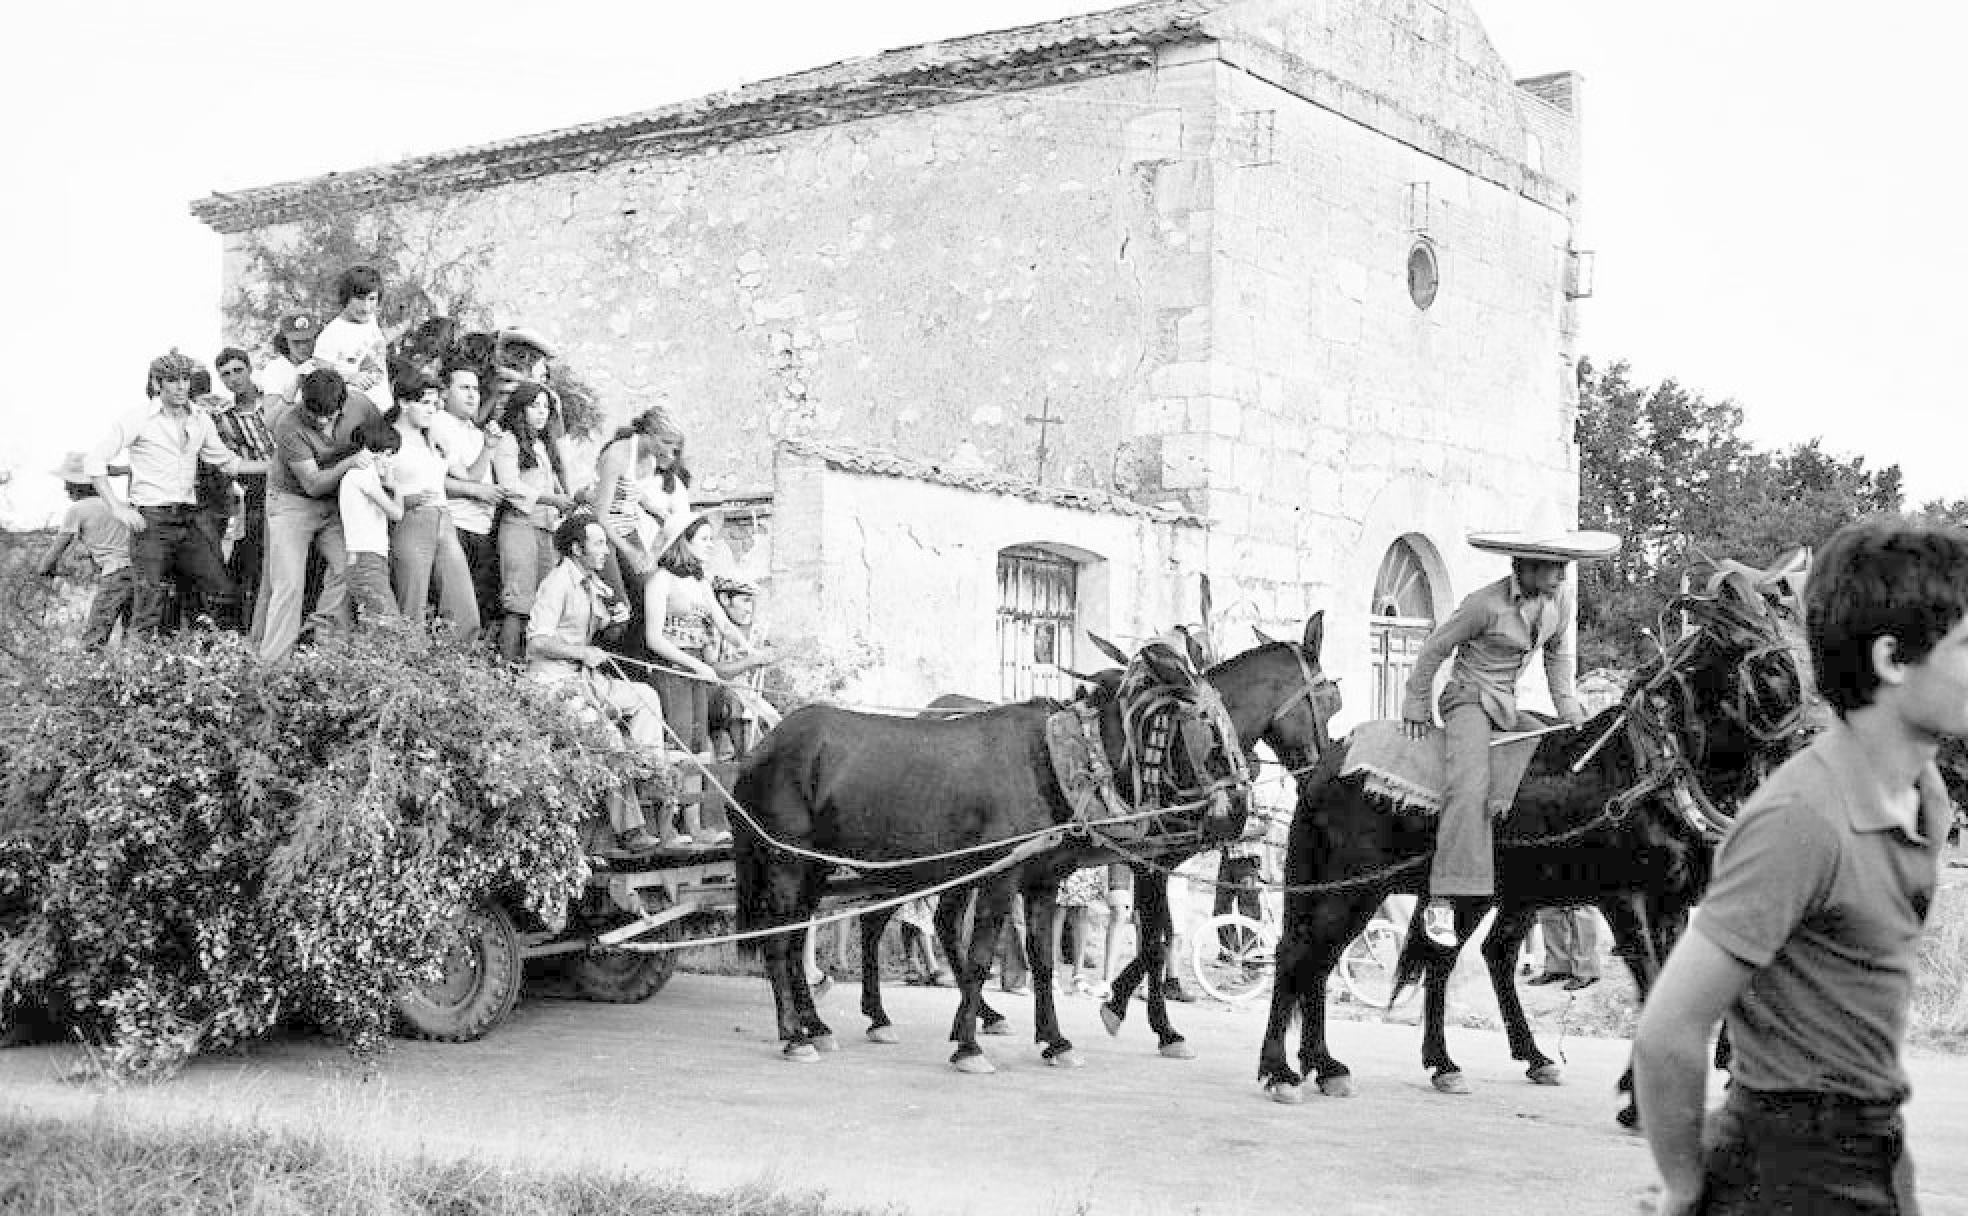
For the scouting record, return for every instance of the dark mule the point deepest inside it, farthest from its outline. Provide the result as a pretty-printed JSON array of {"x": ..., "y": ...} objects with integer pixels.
[
  {"x": 913, "y": 802},
  {"x": 1276, "y": 693},
  {"x": 1620, "y": 813}
]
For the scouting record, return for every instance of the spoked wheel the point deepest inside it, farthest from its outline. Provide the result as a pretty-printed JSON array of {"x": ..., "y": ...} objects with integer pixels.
[
  {"x": 1234, "y": 957},
  {"x": 480, "y": 984},
  {"x": 1367, "y": 966}
]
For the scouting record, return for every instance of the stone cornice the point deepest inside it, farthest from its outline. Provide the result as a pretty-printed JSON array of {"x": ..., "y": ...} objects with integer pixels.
[
  {"x": 873, "y": 462},
  {"x": 1059, "y": 52}
]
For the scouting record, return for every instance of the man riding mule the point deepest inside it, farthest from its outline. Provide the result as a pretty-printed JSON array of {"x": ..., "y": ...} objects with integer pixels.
[
  {"x": 1005, "y": 798},
  {"x": 1492, "y": 636},
  {"x": 1622, "y": 813}
]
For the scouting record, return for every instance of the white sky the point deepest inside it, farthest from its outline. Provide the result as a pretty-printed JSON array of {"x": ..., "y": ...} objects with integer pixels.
[{"x": 1771, "y": 189}]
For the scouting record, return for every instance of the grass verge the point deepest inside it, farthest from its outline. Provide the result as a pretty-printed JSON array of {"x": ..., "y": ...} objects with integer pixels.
[{"x": 110, "y": 1163}]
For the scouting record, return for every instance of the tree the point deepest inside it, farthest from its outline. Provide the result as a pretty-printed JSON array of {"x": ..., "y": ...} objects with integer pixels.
[
  {"x": 1669, "y": 471},
  {"x": 426, "y": 273}
]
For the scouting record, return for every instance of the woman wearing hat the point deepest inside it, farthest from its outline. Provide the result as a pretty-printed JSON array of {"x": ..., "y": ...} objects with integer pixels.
[{"x": 1492, "y": 636}]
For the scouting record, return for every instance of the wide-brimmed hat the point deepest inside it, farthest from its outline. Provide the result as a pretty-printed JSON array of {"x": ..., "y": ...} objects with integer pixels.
[
  {"x": 681, "y": 523},
  {"x": 1548, "y": 546},
  {"x": 522, "y": 336},
  {"x": 70, "y": 469}
]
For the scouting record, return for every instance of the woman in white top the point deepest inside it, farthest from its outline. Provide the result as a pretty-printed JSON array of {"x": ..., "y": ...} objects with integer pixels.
[
  {"x": 683, "y": 625},
  {"x": 424, "y": 545},
  {"x": 522, "y": 467},
  {"x": 640, "y": 477}
]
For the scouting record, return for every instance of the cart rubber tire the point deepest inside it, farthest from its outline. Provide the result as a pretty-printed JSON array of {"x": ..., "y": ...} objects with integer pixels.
[
  {"x": 480, "y": 984},
  {"x": 622, "y": 977}
]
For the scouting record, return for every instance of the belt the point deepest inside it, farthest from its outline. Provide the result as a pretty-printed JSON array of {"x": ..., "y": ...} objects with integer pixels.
[
  {"x": 1816, "y": 1103},
  {"x": 173, "y": 508}
]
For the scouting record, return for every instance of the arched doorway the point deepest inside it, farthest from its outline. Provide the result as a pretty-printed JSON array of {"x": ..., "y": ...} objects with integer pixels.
[{"x": 1399, "y": 620}]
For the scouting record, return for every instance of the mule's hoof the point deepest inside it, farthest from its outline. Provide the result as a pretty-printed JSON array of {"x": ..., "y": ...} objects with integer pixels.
[
  {"x": 800, "y": 1053},
  {"x": 1546, "y": 1074},
  {"x": 978, "y": 1065},
  {"x": 825, "y": 1042},
  {"x": 1066, "y": 1059},
  {"x": 1000, "y": 1027},
  {"x": 1283, "y": 1092},
  {"x": 1336, "y": 1087},
  {"x": 1178, "y": 1049},
  {"x": 1451, "y": 1082},
  {"x": 883, "y": 1034},
  {"x": 1110, "y": 1019}
]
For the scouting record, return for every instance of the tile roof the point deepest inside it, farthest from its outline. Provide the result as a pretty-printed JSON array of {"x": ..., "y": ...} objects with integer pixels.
[
  {"x": 1121, "y": 39},
  {"x": 875, "y": 463}
]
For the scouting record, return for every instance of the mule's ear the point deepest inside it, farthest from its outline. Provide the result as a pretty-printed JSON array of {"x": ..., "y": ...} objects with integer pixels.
[
  {"x": 1108, "y": 648},
  {"x": 1315, "y": 634},
  {"x": 1168, "y": 667},
  {"x": 1198, "y": 653},
  {"x": 1210, "y": 651},
  {"x": 1263, "y": 638}
]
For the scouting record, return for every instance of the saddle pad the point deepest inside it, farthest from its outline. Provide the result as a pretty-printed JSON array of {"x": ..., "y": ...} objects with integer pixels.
[
  {"x": 1082, "y": 770},
  {"x": 1411, "y": 774}
]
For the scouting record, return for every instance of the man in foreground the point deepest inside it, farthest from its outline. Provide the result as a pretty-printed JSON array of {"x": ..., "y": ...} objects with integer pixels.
[{"x": 1806, "y": 944}]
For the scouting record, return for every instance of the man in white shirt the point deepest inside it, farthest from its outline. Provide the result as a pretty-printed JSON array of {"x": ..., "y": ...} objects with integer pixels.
[
  {"x": 572, "y": 606},
  {"x": 293, "y": 357},
  {"x": 165, "y": 440},
  {"x": 352, "y": 343},
  {"x": 474, "y": 499}
]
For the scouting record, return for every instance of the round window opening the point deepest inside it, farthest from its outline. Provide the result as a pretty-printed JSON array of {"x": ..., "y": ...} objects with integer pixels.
[{"x": 1423, "y": 275}]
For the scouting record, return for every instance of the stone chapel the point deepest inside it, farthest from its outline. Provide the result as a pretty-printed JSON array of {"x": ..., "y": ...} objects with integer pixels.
[{"x": 1007, "y": 338}]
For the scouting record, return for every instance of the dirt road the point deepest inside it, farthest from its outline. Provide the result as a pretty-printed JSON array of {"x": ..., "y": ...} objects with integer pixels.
[{"x": 690, "y": 1085}]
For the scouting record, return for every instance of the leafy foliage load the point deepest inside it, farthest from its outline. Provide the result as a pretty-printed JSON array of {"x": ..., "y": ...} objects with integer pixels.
[
  {"x": 1671, "y": 472},
  {"x": 195, "y": 845}
]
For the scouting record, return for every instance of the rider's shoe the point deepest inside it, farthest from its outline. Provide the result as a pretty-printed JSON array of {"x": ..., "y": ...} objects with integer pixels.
[
  {"x": 1439, "y": 923},
  {"x": 636, "y": 841}
]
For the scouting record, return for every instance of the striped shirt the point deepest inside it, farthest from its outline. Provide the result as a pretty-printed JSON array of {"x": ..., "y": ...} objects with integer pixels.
[{"x": 244, "y": 429}]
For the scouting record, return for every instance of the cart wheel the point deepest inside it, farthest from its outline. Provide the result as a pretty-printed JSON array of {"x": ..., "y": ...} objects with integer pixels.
[
  {"x": 622, "y": 977},
  {"x": 1234, "y": 957},
  {"x": 1366, "y": 967},
  {"x": 479, "y": 987}
]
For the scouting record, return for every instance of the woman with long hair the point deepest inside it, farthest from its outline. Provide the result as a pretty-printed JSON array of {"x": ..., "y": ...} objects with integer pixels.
[
  {"x": 535, "y": 500},
  {"x": 640, "y": 478},
  {"x": 683, "y": 624},
  {"x": 424, "y": 545}
]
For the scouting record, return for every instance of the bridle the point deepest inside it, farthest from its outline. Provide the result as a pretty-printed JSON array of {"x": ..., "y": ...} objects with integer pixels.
[
  {"x": 1321, "y": 697},
  {"x": 1666, "y": 762},
  {"x": 1158, "y": 720}
]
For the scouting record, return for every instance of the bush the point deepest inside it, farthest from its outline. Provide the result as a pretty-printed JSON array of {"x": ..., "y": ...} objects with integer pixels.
[{"x": 195, "y": 845}]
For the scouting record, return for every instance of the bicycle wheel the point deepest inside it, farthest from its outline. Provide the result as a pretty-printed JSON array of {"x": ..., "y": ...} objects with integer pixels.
[
  {"x": 1366, "y": 967},
  {"x": 1233, "y": 957}
]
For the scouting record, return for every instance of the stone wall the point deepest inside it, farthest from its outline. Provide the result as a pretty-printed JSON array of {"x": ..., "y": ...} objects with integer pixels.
[
  {"x": 1201, "y": 269},
  {"x": 915, "y": 280},
  {"x": 909, "y": 568}
]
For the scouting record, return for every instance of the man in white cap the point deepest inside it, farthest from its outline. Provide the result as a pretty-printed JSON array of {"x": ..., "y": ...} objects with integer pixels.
[
  {"x": 293, "y": 351},
  {"x": 1492, "y": 636}
]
